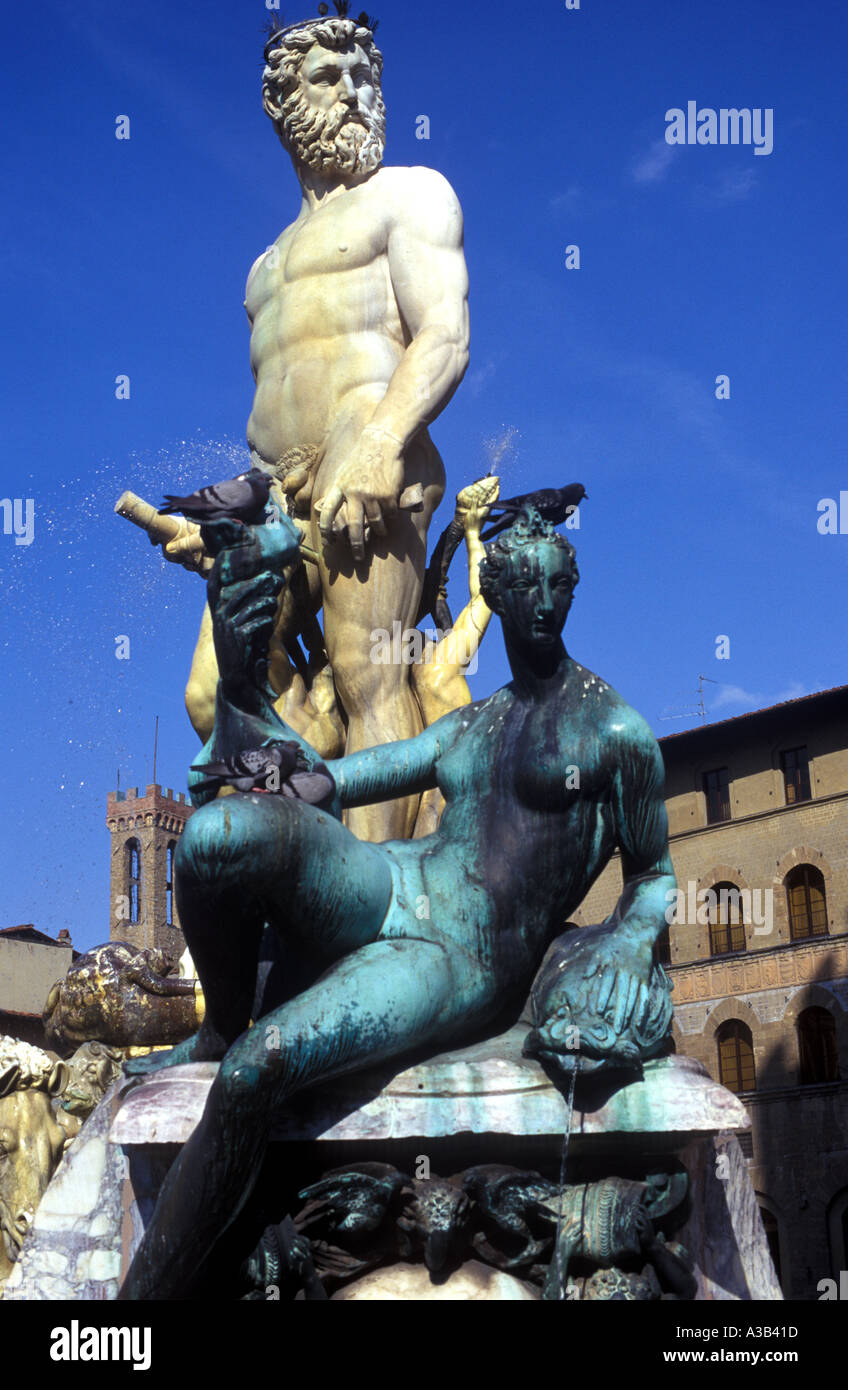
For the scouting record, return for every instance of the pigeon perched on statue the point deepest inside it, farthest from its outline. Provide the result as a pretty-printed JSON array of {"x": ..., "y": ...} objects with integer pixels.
[
  {"x": 237, "y": 499},
  {"x": 554, "y": 504},
  {"x": 279, "y": 768}
]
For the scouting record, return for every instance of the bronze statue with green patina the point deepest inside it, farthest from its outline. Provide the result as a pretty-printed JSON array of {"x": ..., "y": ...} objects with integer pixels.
[{"x": 409, "y": 946}]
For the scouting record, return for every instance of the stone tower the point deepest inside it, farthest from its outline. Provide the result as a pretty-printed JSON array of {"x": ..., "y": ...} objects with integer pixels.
[{"x": 145, "y": 830}]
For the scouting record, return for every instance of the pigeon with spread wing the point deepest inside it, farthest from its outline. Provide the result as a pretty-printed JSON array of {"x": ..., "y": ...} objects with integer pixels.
[{"x": 237, "y": 499}]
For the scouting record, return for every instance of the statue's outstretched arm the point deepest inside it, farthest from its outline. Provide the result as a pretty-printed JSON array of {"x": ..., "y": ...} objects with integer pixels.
[
  {"x": 472, "y": 508},
  {"x": 393, "y": 769}
]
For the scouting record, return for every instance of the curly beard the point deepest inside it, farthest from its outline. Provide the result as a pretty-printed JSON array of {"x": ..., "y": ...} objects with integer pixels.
[{"x": 334, "y": 142}]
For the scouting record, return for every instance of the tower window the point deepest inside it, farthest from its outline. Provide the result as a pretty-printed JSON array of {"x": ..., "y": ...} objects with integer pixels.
[
  {"x": 717, "y": 793},
  {"x": 806, "y": 902},
  {"x": 817, "y": 1047},
  {"x": 133, "y": 853},
  {"x": 169, "y": 882},
  {"x": 736, "y": 1056},
  {"x": 796, "y": 775}
]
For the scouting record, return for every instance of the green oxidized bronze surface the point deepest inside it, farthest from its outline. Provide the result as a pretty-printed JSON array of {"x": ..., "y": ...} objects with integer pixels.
[{"x": 408, "y": 946}]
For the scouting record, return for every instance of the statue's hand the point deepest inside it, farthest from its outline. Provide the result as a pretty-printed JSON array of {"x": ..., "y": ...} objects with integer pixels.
[
  {"x": 244, "y": 590},
  {"x": 246, "y": 551},
  {"x": 600, "y": 1000},
  {"x": 187, "y": 548},
  {"x": 474, "y": 503},
  {"x": 366, "y": 490},
  {"x": 243, "y": 618}
]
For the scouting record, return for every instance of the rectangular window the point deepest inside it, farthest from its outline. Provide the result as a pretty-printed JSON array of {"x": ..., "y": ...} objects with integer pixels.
[
  {"x": 796, "y": 775},
  {"x": 727, "y": 929},
  {"x": 717, "y": 792},
  {"x": 736, "y": 1064}
]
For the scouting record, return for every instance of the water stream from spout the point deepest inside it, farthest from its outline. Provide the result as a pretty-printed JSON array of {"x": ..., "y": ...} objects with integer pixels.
[{"x": 563, "y": 1161}]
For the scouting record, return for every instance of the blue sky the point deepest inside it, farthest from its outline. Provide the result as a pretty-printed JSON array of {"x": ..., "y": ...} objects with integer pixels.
[{"x": 130, "y": 257}]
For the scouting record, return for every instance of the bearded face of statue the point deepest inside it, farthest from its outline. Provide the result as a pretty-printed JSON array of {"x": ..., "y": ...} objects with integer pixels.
[{"x": 334, "y": 121}]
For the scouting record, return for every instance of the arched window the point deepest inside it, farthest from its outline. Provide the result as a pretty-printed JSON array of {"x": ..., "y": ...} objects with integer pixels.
[
  {"x": 133, "y": 853},
  {"x": 169, "y": 882},
  {"x": 736, "y": 1056},
  {"x": 807, "y": 902},
  {"x": 727, "y": 928},
  {"x": 817, "y": 1047}
]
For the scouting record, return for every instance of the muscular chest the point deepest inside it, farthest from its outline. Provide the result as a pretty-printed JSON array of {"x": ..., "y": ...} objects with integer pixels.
[
  {"x": 340, "y": 237},
  {"x": 337, "y": 252}
]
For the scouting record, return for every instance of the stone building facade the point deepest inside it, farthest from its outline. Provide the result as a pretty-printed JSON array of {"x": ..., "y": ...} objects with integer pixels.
[
  {"x": 30, "y": 964},
  {"x": 757, "y": 950},
  {"x": 144, "y": 830}
]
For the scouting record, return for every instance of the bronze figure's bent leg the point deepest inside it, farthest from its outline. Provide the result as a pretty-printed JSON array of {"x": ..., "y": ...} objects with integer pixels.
[
  {"x": 253, "y": 858},
  {"x": 369, "y": 1007}
]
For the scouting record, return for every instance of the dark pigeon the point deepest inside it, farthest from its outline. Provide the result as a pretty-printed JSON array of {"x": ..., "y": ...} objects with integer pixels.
[
  {"x": 238, "y": 499},
  {"x": 554, "y": 504},
  {"x": 280, "y": 768},
  {"x": 364, "y": 19}
]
